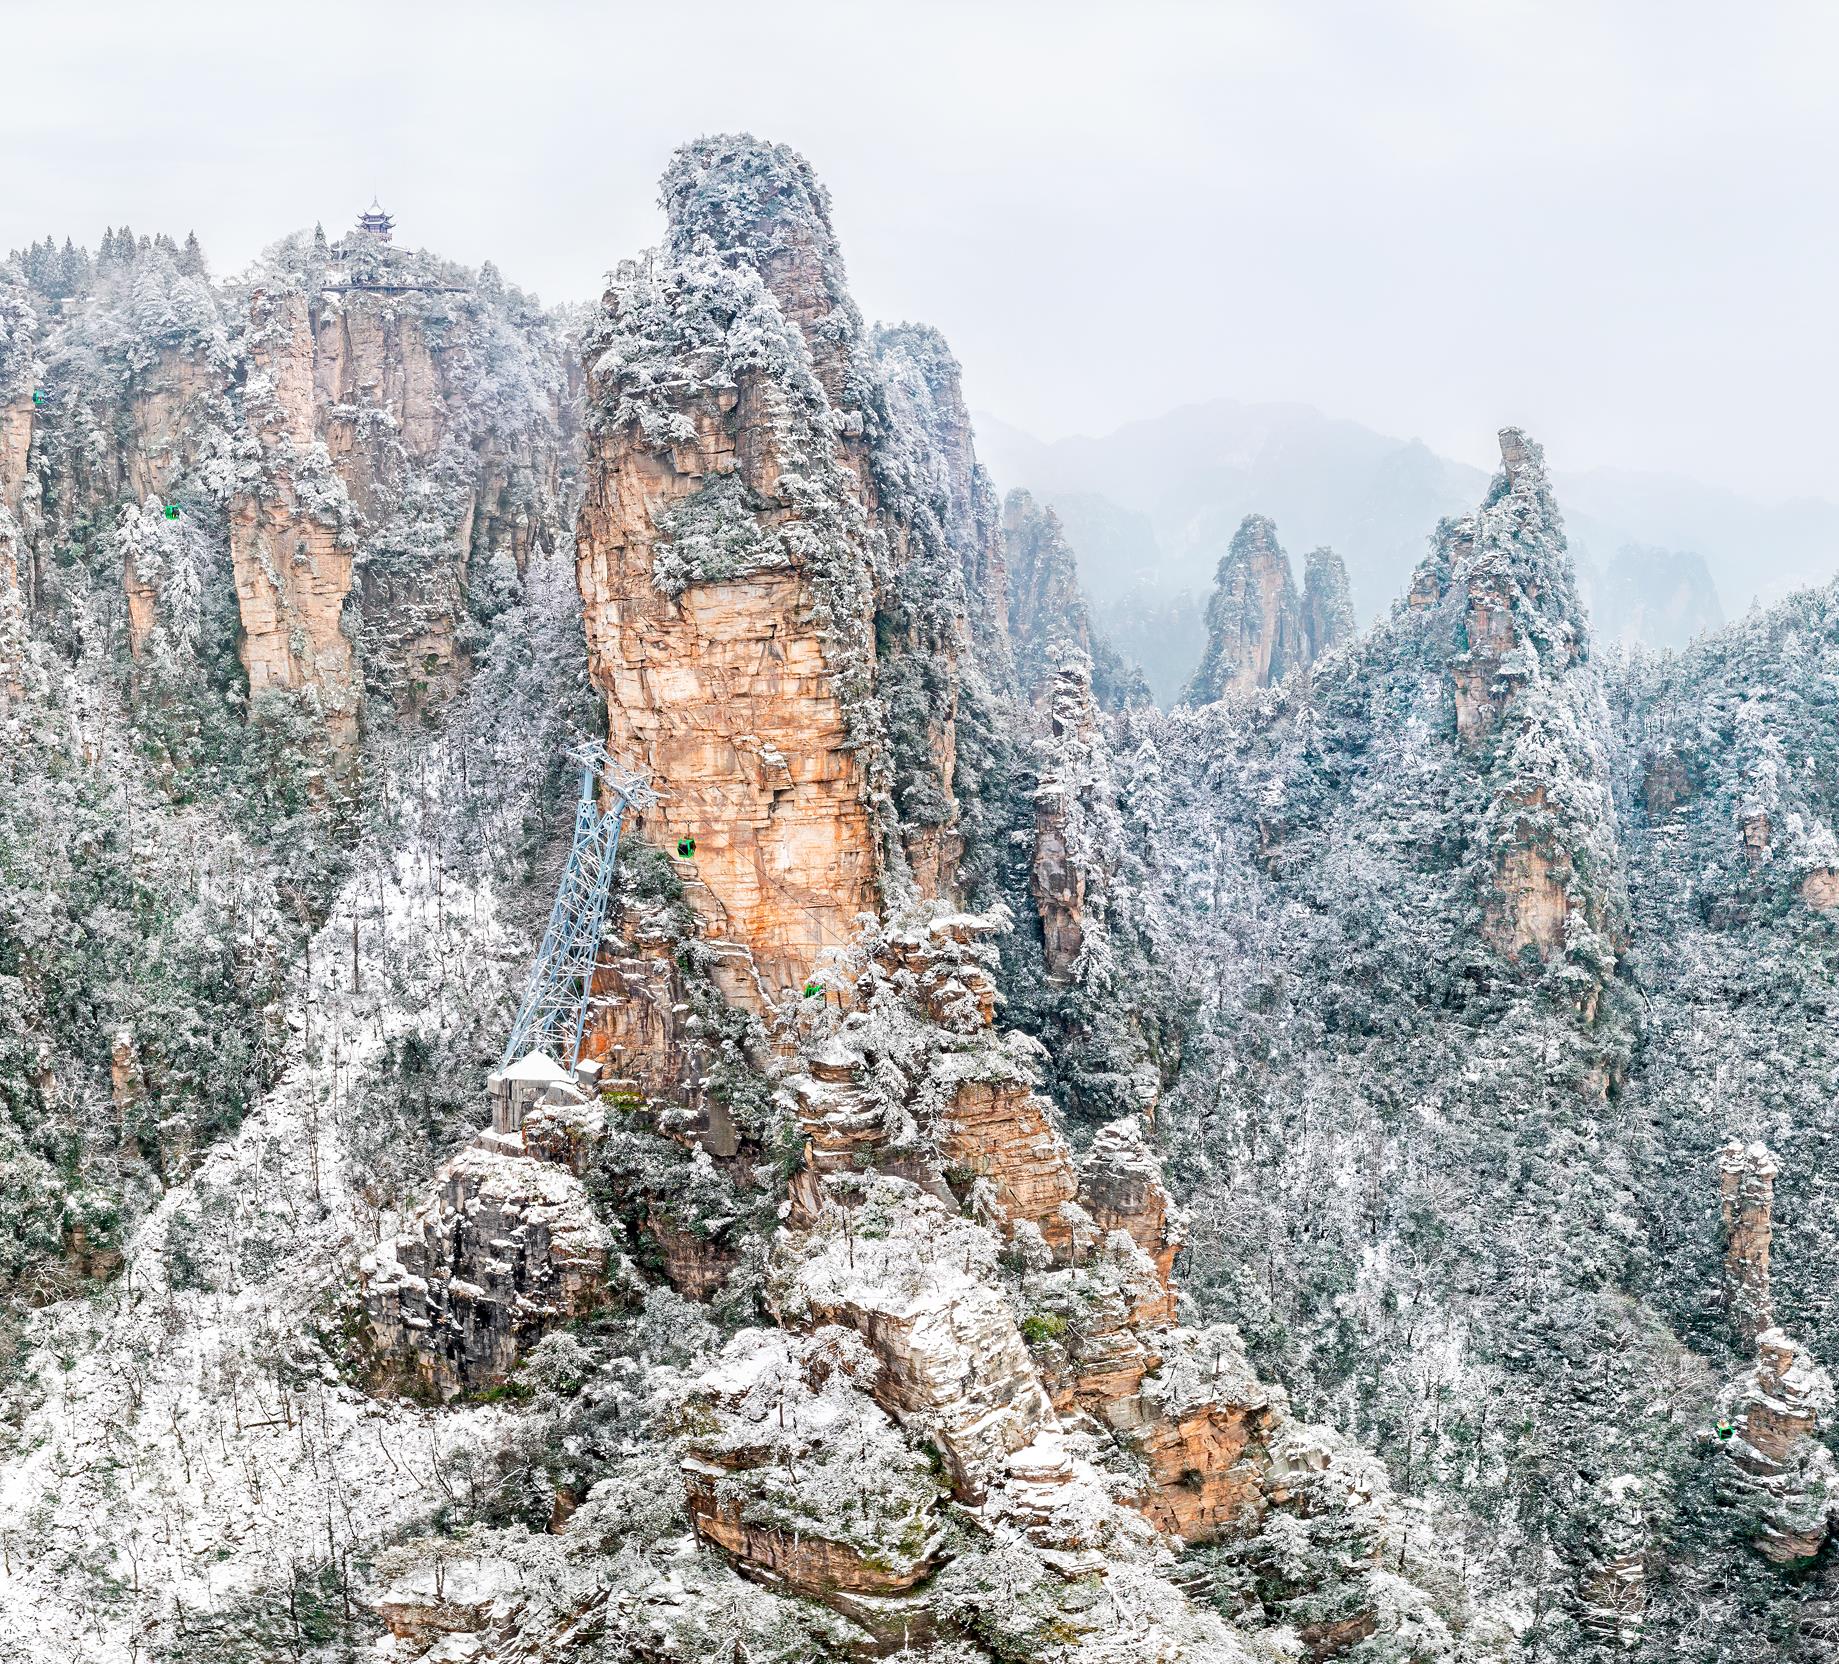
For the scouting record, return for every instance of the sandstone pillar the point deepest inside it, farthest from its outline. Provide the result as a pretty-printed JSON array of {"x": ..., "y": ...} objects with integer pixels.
[{"x": 1746, "y": 1190}]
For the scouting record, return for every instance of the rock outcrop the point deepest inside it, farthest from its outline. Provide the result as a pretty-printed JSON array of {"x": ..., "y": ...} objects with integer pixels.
[
  {"x": 1120, "y": 1185},
  {"x": 1258, "y": 630},
  {"x": 1746, "y": 1197},
  {"x": 1820, "y": 889},
  {"x": 1514, "y": 589},
  {"x": 1613, "y": 1595},
  {"x": 366, "y": 442},
  {"x": 1778, "y": 1468},
  {"x": 508, "y": 1248},
  {"x": 724, "y": 551},
  {"x": 781, "y": 1437},
  {"x": 380, "y": 471},
  {"x": 1254, "y": 623},
  {"x": 1066, "y": 868},
  {"x": 1328, "y": 603},
  {"x": 292, "y": 541},
  {"x": 773, "y": 553},
  {"x": 1046, "y": 610},
  {"x": 914, "y": 1280},
  {"x": 1523, "y": 707}
]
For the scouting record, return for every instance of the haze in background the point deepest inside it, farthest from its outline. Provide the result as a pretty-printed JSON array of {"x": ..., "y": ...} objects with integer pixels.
[
  {"x": 1150, "y": 507},
  {"x": 1613, "y": 225}
]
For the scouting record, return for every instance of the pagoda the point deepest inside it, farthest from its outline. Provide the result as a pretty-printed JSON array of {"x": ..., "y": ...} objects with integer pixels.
[{"x": 375, "y": 221}]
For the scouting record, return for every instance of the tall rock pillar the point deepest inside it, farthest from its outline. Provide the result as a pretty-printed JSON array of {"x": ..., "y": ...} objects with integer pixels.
[
  {"x": 1254, "y": 622},
  {"x": 1746, "y": 1194},
  {"x": 725, "y": 552}
]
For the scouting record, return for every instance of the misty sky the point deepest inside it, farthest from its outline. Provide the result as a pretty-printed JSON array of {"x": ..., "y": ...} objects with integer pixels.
[{"x": 1616, "y": 224}]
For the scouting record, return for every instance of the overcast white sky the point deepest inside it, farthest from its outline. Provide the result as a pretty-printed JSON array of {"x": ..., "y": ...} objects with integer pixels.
[{"x": 1615, "y": 223}]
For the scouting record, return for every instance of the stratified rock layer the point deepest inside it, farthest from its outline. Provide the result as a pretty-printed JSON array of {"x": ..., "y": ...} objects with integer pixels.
[
  {"x": 1779, "y": 1467},
  {"x": 291, "y": 552},
  {"x": 719, "y": 648}
]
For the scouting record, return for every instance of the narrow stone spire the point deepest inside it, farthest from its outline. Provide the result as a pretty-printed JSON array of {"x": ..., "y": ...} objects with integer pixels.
[
  {"x": 1047, "y": 612},
  {"x": 1254, "y": 622},
  {"x": 1746, "y": 1190},
  {"x": 1328, "y": 604}
]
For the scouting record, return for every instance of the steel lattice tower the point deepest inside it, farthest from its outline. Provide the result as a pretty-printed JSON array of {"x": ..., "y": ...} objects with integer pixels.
[{"x": 555, "y": 1005}]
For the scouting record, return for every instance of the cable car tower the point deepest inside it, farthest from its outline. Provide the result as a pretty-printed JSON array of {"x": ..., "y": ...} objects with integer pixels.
[{"x": 554, "y": 1011}]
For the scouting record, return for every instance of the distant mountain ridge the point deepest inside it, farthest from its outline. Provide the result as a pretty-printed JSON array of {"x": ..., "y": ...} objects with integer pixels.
[{"x": 1150, "y": 507}]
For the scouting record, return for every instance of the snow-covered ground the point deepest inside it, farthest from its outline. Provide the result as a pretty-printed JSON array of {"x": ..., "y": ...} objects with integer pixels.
[{"x": 188, "y": 1445}]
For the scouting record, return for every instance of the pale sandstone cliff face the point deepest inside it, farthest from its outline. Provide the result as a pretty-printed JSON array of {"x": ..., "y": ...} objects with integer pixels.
[
  {"x": 293, "y": 557},
  {"x": 15, "y": 449},
  {"x": 727, "y": 691},
  {"x": 726, "y": 697},
  {"x": 1254, "y": 625},
  {"x": 942, "y": 599},
  {"x": 936, "y": 469},
  {"x": 360, "y": 407},
  {"x": 1120, "y": 1185},
  {"x": 171, "y": 404}
]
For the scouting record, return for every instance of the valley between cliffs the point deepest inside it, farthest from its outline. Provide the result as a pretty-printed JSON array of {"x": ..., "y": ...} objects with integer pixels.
[{"x": 1334, "y": 1169}]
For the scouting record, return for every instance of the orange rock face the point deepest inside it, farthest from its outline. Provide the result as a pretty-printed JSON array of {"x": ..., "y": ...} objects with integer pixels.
[
  {"x": 1001, "y": 1134},
  {"x": 351, "y": 400},
  {"x": 633, "y": 1030},
  {"x": 725, "y": 696},
  {"x": 1120, "y": 1185},
  {"x": 742, "y": 469},
  {"x": 1782, "y": 1469},
  {"x": 1208, "y": 1467},
  {"x": 292, "y": 577},
  {"x": 1820, "y": 889},
  {"x": 809, "y": 1565},
  {"x": 741, "y": 576},
  {"x": 1532, "y": 906},
  {"x": 292, "y": 565},
  {"x": 1115, "y": 1344},
  {"x": 15, "y": 448}
]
